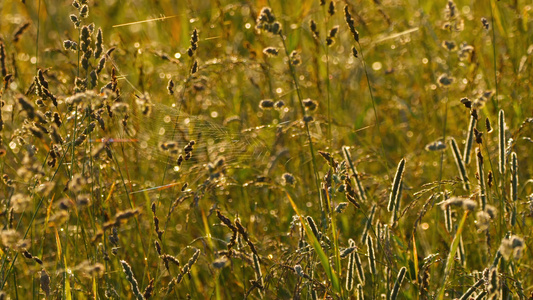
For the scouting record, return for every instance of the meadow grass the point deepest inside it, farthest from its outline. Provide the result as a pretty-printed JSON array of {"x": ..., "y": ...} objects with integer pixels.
[{"x": 246, "y": 149}]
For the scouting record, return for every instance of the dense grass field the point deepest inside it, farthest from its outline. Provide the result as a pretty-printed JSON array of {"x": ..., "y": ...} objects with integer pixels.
[{"x": 260, "y": 149}]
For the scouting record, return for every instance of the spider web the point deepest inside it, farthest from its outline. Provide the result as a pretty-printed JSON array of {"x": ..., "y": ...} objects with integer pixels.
[{"x": 146, "y": 133}]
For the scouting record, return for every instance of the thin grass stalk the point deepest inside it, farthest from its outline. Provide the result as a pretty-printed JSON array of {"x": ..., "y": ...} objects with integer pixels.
[
  {"x": 398, "y": 283},
  {"x": 328, "y": 83},
  {"x": 451, "y": 255},
  {"x": 460, "y": 164},
  {"x": 514, "y": 186},
  {"x": 469, "y": 140},
  {"x": 514, "y": 177},
  {"x": 501, "y": 142},
  {"x": 496, "y": 102}
]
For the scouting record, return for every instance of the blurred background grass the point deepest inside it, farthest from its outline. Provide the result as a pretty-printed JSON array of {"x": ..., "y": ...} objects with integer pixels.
[{"x": 402, "y": 46}]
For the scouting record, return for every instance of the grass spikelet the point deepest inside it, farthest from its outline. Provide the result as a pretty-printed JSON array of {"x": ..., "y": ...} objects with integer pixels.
[
  {"x": 501, "y": 142},
  {"x": 313, "y": 227},
  {"x": 398, "y": 283},
  {"x": 45, "y": 282},
  {"x": 126, "y": 268},
  {"x": 469, "y": 140},
  {"x": 3, "y": 59},
  {"x": 460, "y": 164},
  {"x": 472, "y": 289},
  {"x": 395, "y": 191},
  {"x": 258, "y": 273},
  {"x": 350, "y": 272},
  {"x": 360, "y": 293},
  {"x": 488, "y": 126},
  {"x": 359, "y": 268},
  {"x": 314, "y": 29},
  {"x": 481, "y": 179},
  {"x": 493, "y": 280},
  {"x": 371, "y": 255},
  {"x": 351, "y": 24},
  {"x": 149, "y": 289}
]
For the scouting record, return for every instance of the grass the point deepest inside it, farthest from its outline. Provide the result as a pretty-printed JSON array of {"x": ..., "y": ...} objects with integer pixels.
[{"x": 221, "y": 149}]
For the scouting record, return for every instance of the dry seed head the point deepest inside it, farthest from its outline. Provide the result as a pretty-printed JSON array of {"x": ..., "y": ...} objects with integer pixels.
[
  {"x": 333, "y": 32},
  {"x": 314, "y": 28},
  {"x": 444, "y": 80},
  {"x": 354, "y": 52},
  {"x": 449, "y": 45},
  {"x": 466, "y": 102},
  {"x": 341, "y": 206},
  {"x": 310, "y": 105},
  {"x": 18, "y": 33},
  {"x": 194, "y": 68},
  {"x": 479, "y": 136},
  {"x": 75, "y": 21},
  {"x": 279, "y": 104},
  {"x": 170, "y": 87},
  {"x": 435, "y": 146},
  {"x": 99, "y": 43},
  {"x": 488, "y": 126},
  {"x": 482, "y": 220},
  {"x": 465, "y": 52},
  {"x": 295, "y": 58},
  {"x": 84, "y": 11},
  {"x": 149, "y": 289},
  {"x": 331, "y": 8},
  {"x": 485, "y": 23},
  {"x": 20, "y": 202},
  {"x": 101, "y": 64},
  {"x": 308, "y": 119},
  {"x": 451, "y": 12},
  {"x": 351, "y": 24},
  {"x": 266, "y": 104},
  {"x": 271, "y": 51},
  {"x": 221, "y": 262}
]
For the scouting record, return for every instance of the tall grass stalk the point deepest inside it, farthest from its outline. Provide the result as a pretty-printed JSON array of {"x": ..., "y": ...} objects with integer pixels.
[{"x": 451, "y": 255}]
